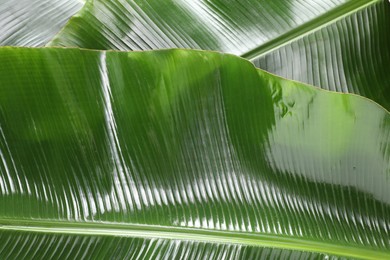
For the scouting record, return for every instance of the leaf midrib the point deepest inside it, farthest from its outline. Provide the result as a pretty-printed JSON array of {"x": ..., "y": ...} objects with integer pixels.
[
  {"x": 192, "y": 234},
  {"x": 218, "y": 236},
  {"x": 309, "y": 27}
]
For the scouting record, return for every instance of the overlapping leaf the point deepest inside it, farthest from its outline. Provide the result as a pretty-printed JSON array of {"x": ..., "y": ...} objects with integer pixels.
[
  {"x": 339, "y": 45},
  {"x": 193, "y": 154},
  {"x": 182, "y": 154},
  {"x": 34, "y": 22}
]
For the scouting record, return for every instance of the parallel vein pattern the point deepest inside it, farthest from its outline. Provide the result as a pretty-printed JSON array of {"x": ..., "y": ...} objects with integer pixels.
[
  {"x": 347, "y": 56},
  {"x": 339, "y": 45},
  {"x": 63, "y": 247},
  {"x": 234, "y": 27},
  {"x": 185, "y": 139},
  {"x": 34, "y": 22}
]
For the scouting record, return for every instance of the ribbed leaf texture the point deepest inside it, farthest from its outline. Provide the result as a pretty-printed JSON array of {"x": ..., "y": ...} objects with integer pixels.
[
  {"x": 187, "y": 154},
  {"x": 349, "y": 55},
  {"x": 34, "y": 22},
  {"x": 337, "y": 45},
  {"x": 231, "y": 26},
  {"x": 57, "y": 246}
]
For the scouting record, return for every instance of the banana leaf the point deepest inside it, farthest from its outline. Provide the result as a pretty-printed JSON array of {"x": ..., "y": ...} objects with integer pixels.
[
  {"x": 34, "y": 22},
  {"x": 185, "y": 154},
  {"x": 339, "y": 45}
]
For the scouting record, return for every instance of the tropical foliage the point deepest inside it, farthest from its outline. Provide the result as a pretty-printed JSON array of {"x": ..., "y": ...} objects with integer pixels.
[{"x": 181, "y": 153}]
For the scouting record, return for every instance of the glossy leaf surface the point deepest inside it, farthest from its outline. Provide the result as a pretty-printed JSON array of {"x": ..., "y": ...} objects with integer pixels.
[
  {"x": 184, "y": 153},
  {"x": 34, "y": 22},
  {"x": 337, "y": 45},
  {"x": 350, "y": 55}
]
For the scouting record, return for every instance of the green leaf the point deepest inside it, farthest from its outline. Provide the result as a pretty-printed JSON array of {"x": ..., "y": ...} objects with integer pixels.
[
  {"x": 185, "y": 154},
  {"x": 34, "y": 22},
  {"x": 339, "y": 45}
]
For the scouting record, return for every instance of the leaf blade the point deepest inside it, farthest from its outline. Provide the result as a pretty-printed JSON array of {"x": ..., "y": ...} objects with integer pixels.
[
  {"x": 189, "y": 140},
  {"x": 335, "y": 45},
  {"x": 32, "y": 22}
]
